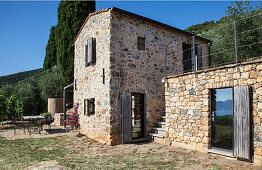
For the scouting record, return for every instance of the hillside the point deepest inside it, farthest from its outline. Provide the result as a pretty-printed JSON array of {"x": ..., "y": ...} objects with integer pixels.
[{"x": 15, "y": 78}]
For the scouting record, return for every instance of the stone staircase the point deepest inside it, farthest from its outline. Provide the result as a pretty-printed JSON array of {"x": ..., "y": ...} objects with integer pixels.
[{"x": 159, "y": 131}]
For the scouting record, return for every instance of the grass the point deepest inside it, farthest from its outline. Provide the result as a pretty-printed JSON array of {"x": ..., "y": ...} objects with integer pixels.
[
  {"x": 21, "y": 153},
  {"x": 225, "y": 135}
]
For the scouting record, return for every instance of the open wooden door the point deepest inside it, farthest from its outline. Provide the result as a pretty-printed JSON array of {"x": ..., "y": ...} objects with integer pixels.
[
  {"x": 241, "y": 122},
  {"x": 126, "y": 121}
]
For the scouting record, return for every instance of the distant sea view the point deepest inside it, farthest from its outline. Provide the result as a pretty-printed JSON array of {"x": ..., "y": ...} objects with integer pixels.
[{"x": 224, "y": 112}]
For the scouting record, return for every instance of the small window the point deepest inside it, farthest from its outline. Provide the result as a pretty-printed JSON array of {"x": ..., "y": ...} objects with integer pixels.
[
  {"x": 141, "y": 43},
  {"x": 89, "y": 106}
]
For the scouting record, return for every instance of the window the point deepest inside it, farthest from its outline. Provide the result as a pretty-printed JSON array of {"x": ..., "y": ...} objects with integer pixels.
[
  {"x": 141, "y": 43},
  {"x": 187, "y": 59},
  {"x": 90, "y": 52},
  {"x": 89, "y": 106},
  {"x": 198, "y": 50}
]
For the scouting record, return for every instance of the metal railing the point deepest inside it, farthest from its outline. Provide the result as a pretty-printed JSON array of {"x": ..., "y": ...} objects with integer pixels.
[{"x": 232, "y": 43}]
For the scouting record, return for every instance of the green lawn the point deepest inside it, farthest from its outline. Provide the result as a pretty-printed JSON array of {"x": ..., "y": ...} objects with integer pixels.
[{"x": 22, "y": 153}]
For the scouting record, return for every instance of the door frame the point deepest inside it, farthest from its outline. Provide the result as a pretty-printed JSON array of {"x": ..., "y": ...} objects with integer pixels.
[{"x": 211, "y": 122}]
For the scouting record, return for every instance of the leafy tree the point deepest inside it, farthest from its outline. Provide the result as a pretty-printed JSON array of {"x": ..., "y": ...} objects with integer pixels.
[
  {"x": 199, "y": 28},
  {"x": 51, "y": 84},
  {"x": 11, "y": 107},
  {"x": 2, "y": 106},
  {"x": 7, "y": 91},
  {"x": 50, "y": 56},
  {"x": 30, "y": 92},
  {"x": 71, "y": 16},
  {"x": 19, "y": 108},
  {"x": 239, "y": 8},
  {"x": 222, "y": 34}
]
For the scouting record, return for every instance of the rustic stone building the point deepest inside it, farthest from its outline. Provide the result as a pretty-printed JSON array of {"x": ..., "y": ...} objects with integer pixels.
[
  {"x": 196, "y": 120},
  {"x": 120, "y": 61}
]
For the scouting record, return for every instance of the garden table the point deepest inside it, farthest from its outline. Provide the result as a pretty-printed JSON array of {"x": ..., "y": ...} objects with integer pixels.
[{"x": 35, "y": 123}]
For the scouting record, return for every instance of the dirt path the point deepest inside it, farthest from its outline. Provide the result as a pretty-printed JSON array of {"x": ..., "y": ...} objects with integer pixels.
[{"x": 185, "y": 159}]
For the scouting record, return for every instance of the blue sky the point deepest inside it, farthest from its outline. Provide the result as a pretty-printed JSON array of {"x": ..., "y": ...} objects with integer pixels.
[
  {"x": 25, "y": 26},
  {"x": 224, "y": 94}
]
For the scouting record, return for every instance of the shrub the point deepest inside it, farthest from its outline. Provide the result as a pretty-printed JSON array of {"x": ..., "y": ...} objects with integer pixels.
[
  {"x": 72, "y": 119},
  {"x": 47, "y": 114}
]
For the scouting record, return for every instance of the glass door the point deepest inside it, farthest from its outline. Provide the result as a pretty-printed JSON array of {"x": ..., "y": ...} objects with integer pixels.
[
  {"x": 137, "y": 115},
  {"x": 222, "y": 118}
]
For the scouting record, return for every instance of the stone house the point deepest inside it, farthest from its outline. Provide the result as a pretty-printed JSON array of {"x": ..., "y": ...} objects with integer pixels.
[{"x": 120, "y": 61}]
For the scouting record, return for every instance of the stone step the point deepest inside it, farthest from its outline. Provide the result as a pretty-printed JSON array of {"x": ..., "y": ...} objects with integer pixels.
[
  {"x": 155, "y": 135},
  {"x": 161, "y": 124},
  {"x": 160, "y": 140},
  {"x": 157, "y": 138},
  {"x": 160, "y": 131},
  {"x": 163, "y": 119}
]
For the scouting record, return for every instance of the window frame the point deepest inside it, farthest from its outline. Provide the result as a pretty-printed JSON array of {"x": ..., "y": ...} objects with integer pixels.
[
  {"x": 89, "y": 106},
  {"x": 141, "y": 43}
]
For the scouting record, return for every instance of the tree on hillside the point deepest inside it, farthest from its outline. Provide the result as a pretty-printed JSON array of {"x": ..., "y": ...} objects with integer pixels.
[
  {"x": 249, "y": 34},
  {"x": 29, "y": 91},
  {"x": 2, "y": 106},
  {"x": 199, "y": 28},
  {"x": 51, "y": 84},
  {"x": 50, "y": 55},
  {"x": 71, "y": 16}
]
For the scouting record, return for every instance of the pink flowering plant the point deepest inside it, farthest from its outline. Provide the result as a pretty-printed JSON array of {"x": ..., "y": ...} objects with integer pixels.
[{"x": 72, "y": 119}]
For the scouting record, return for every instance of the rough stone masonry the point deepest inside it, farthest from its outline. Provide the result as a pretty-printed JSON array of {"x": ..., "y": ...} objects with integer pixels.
[
  {"x": 126, "y": 68},
  {"x": 188, "y": 105}
]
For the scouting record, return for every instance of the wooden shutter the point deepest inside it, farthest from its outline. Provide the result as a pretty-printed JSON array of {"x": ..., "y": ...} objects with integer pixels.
[
  {"x": 89, "y": 51},
  {"x": 241, "y": 122},
  {"x": 86, "y": 54},
  {"x": 199, "y": 57},
  {"x": 126, "y": 117}
]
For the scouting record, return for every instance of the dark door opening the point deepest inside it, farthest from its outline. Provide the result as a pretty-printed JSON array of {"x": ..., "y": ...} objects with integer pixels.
[
  {"x": 222, "y": 118},
  {"x": 137, "y": 115},
  {"x": 187, "y": 59}
]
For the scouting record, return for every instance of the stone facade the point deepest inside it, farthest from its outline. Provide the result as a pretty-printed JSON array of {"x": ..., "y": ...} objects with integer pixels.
[
  {"x": 187, "y": 99},
  {"x": 89, "y": 81},
  {"x": 142, "y": 71},
  {"x": 126, "y": 69},
  {"x": 58, "y": 119}
]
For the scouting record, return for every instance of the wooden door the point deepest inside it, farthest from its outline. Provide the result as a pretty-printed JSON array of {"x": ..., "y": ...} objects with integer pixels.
[
  {"x": 241, "y": 122},
  {"x": 126, "y": 118}
]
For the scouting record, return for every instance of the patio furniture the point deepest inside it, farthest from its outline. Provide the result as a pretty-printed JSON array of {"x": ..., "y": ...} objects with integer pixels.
[
  {"x": 34, "y": 123},
  {"x": 48, "y": 120}
]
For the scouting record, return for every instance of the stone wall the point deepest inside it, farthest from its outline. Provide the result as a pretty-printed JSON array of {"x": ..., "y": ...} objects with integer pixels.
[
  {"x": 89, "y": 81},
  {"x": 58, "y": 119},
  {"x": 142, "y": 71},
  {"x": 188, "y": 104}
]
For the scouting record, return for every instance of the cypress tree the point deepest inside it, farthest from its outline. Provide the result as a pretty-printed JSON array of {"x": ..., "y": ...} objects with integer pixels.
[
  {"x": 50, "y": 56},
  {"x": 71, "y": 16}
]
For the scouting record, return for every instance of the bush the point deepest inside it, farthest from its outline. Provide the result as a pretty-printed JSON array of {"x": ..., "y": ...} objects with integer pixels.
[
  {"x": 72, "y": 119},
  {"x": 2, "y": 106},
  {"x": 14, "y": 108},
  {"x": 47, "y": 114}
]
